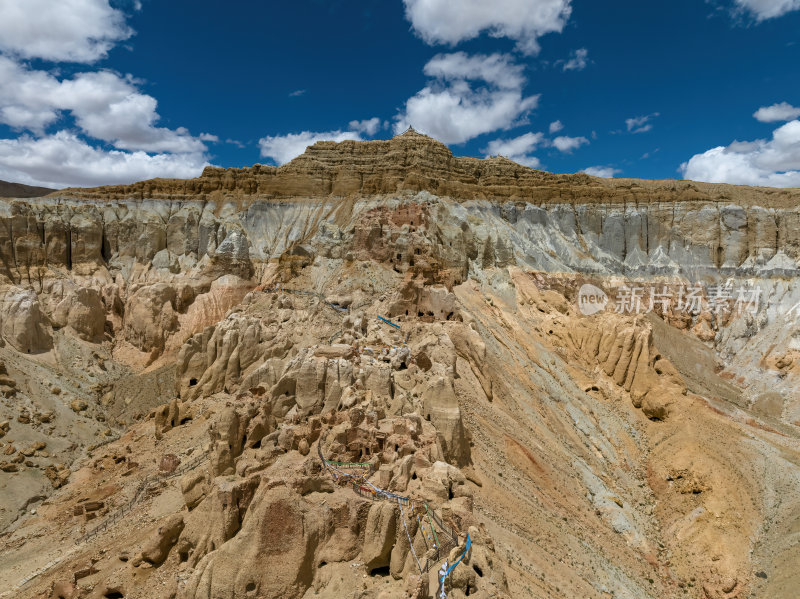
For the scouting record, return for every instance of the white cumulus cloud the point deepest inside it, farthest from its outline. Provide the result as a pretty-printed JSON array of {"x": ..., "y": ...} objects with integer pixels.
[
  {"x": 61, "y": 30},
  {"x": 782, "y": 111},
  {"x": 768, "y": 9},
  {"x": 468, "y": 96},
  {"x": 105, "y": 106},
  {"x": 517, "y": 149},
  {"x": 567, "y": 144},
  {"x": 367, "y": 126},
  {"x": 282, "y": 148},
  {"x": 773, "y": 163},
  {"x": 556, "y": 126},
  {"x": 499, "y": 70},
  {"x": 524, "y": 21},
  {"x": 606, "y": 172},
  {"x": 577, "y": 60},
  {"x": 63, "y": 160}
]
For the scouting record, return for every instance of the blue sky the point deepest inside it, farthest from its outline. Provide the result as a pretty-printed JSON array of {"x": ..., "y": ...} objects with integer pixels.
[{"x": 93, "y": 92}]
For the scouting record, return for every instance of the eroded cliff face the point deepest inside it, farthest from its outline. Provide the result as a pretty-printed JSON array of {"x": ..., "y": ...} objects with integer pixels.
[
  {"x": 135, "y": 238},
  {"x": 184, "y": 350}
]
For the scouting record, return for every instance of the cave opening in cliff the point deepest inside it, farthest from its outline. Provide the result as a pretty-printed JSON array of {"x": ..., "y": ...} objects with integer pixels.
[
  {"x": 69, "y": 248},
  {"x": 105, "y": 248}
]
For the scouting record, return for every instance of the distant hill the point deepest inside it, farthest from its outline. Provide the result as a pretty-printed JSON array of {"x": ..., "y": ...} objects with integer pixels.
[
  {"x": 18, "y": 190},
  {"x": 412, "y": 162}
]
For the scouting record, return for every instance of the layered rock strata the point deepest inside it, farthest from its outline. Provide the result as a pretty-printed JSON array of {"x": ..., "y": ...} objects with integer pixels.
[{"x": 181, "y": 352}]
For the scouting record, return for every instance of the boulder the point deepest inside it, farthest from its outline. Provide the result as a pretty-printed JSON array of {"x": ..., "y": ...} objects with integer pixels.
[
  {"x": 194, "y": 487},
  {"x": 23, "y": 324},
  {"x": 232, "y": 256},
  {"x": 8, "y": 388},
  {"x": 158, "y": 547},
  {"x": 150, "y": 318},
  {"x": 83, "y": 312},
  {"x": 166, "y": 260},
  {"x": 64, "y": 590},
  {"x": 169, "y": 463}
]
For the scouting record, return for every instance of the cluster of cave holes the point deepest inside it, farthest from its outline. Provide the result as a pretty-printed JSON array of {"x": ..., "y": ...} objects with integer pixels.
[
  {"x": 657, "y": 368},
  {"x": 695, "y": 490},
  {"x": 400, "y": 260},
  {"x": 385, "y": 571},
  {"x": 470, "y": 589},
  {"x": 429, "y": 314}
]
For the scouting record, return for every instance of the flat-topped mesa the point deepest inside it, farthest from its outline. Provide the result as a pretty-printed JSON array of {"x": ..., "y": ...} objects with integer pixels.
[{"x": 415, "y": 162}]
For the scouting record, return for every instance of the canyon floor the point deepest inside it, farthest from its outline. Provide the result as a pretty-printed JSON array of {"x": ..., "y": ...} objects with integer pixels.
[{"x": 327, "y": 378}]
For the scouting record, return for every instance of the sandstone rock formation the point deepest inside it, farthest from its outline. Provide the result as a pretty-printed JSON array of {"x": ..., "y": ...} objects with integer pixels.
[
  {"x": 414, "y": 162},
  {"x": 177, "y": 355},
  {"x": 157, "y": 549},
  {"x": 23, "y": 324},
  {"x": 82, "y": 311}
]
